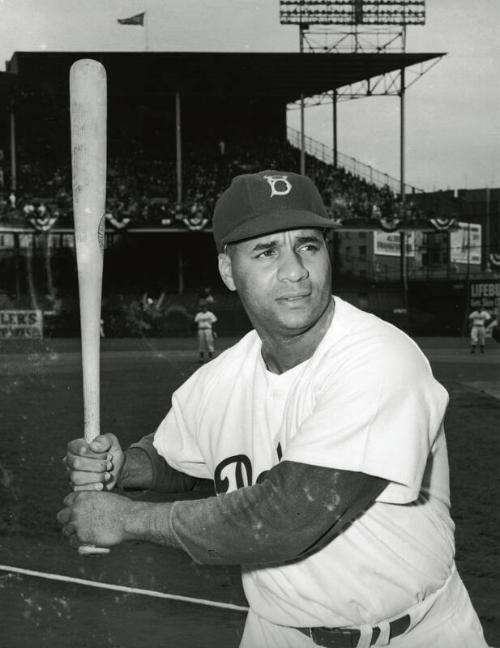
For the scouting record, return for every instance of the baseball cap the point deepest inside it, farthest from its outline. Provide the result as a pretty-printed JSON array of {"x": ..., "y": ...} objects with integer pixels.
[{"x": 269, "y": 201}]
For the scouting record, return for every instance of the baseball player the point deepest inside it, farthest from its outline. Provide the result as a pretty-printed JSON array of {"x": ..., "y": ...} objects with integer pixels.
[
  {"x": 205, "y": 320},
  {"x": 478, "y": 320},
  {"x": 322, "y": 430}
]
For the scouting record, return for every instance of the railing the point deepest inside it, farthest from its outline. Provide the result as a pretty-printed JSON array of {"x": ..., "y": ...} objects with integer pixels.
[{"x": 350, "y": 164}]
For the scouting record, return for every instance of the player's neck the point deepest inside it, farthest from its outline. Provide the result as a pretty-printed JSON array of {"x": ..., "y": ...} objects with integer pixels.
[{"x": 283, "y": 352}]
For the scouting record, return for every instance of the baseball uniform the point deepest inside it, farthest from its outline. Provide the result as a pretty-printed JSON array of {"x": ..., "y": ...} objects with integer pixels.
[
  {"x": 205, "y": 321},
  {"x": 478, "y": 319},
  {"x": 366, "y": 401}
]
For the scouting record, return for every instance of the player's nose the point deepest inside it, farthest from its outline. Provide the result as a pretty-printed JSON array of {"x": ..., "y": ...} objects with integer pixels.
[{"x": 291, "y": 267}]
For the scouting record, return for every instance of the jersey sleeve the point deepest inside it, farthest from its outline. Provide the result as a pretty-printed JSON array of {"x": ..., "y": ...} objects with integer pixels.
[
  {"x": 175, "y": 438},
  {"x": 263, "y": 524},
  {"x": 378, "y": 415}
]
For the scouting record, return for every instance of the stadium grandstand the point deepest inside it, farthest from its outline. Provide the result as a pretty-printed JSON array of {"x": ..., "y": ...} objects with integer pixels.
[{"x": 180, "y": 126}]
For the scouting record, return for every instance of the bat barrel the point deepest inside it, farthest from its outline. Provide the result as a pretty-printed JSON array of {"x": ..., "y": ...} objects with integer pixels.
[{"x": 88, "y": 108}]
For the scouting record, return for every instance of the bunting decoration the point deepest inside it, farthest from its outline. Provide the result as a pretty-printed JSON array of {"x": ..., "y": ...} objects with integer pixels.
[
  {"x": 442, "y": 224},
  {"x": 495, "y": 259},
  {"x": 195, "y": 222},
  {"x": 116, "y": 223},
  {"x": 390, "y": 224},
  {"x": 43, "y": 224}
]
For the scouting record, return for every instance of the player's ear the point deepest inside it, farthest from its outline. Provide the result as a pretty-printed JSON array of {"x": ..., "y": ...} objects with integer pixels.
[{"x": 226, "y": 270}]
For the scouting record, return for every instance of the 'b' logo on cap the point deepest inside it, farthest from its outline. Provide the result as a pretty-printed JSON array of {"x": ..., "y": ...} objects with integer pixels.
[{"x": 280, "y": 185}]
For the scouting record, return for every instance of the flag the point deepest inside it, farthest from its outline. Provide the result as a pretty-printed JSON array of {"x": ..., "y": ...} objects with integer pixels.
[{"x": 138, "y": 19}]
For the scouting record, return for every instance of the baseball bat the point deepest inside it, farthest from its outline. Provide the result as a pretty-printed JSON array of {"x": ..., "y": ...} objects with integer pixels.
[{"x": 88, "y": 111}]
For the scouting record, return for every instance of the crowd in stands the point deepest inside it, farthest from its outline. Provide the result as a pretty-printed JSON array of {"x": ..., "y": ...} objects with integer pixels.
[{"x": 142, "y": 192}]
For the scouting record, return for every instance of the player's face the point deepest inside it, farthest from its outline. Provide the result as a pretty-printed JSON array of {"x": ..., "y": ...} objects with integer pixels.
[{"x": 283, "y": 279}]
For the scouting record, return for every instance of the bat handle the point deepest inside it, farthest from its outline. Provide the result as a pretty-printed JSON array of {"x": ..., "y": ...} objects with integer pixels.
[{"x": 91, "y": 431}]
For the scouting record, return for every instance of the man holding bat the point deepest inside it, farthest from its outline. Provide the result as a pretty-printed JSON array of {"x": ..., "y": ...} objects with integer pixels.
[{"x": 322, "y": 430}]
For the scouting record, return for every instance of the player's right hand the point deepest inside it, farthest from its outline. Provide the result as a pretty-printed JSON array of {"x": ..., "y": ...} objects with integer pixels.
[{"x": 96, "y": 465}]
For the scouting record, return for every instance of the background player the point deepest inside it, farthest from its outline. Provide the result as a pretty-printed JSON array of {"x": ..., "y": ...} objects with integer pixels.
[
  {"x": 322, "y": 430},
  {"x": 478, "y": 320},
  {"x": 205, "y": 320}
]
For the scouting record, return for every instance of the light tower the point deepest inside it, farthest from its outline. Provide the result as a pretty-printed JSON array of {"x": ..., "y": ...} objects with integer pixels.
[{"x": 357, "y": 27}]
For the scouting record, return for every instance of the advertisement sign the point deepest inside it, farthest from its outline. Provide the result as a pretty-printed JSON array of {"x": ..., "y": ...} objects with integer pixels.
[
  {"x": 465, "y": 244},
  {"x": 388, "y": 243},
  {"x": 484, "y": 294},
  {"x": 21, "y": 324}
]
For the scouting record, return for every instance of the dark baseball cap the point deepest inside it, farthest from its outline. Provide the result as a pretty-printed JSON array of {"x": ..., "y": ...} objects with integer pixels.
[{"x": 256, "y": 204}]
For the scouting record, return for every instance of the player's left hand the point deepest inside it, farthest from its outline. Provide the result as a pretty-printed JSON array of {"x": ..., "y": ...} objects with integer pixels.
[{"x": 94, "y": 518}]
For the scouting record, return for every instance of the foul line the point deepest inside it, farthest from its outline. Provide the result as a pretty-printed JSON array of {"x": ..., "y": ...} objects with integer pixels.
[{"x": 122, "y": 588}]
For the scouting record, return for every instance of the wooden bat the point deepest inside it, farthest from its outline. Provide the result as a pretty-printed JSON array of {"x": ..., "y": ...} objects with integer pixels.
[{"x": 88, "y": 111}]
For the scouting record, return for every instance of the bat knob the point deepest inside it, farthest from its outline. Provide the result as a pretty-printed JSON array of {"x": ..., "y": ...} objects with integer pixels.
[{"x": 92, "y": 550}]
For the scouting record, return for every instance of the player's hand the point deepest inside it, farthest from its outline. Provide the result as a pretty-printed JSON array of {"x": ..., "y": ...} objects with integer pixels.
[
  {"x": 96, "y": 465},
  {"x": 94, "y": 518}
]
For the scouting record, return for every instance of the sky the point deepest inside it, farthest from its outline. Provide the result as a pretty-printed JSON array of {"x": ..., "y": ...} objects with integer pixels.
[{"x": 452, "y": 112}]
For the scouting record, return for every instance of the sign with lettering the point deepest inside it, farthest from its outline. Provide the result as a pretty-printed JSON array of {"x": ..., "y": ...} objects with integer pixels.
[
  {"x": 465, "y": 244},
  {"x": 484, "y": 294},
  {"x": 389, "y": 243},
  {"x": 21, "y": 324}
]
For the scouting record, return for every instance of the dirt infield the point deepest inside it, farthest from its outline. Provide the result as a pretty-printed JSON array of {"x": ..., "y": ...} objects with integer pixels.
[{"x": 41, "y": 410}]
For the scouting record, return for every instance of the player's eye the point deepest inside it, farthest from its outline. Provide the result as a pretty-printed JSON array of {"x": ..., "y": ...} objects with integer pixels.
[
  {"x": 308, "y": 247},
  {"x": 269, "y": 252}
]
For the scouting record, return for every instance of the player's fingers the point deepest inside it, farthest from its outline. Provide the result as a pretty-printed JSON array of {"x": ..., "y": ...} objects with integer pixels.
[
  {"x": 95, "y": 486},
  {"x": 69, "y": 529},
  {"x": 79, "y": 447},
  {"x": 87, "y": 464},
  {"x": 80, "y": 477},
  {"x": 63, "y": 516},
  {"x": 101, "y": 443},
  {"x": 69, "y": 499}
]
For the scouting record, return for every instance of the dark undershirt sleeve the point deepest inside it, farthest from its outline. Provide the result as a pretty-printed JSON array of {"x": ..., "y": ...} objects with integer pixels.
[
  {"x": 295, "y": 511},
  {"x": 165, "y": 478}
]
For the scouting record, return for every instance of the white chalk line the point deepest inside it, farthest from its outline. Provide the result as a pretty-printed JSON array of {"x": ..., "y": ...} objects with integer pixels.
[{"x": 121, "y": 588}]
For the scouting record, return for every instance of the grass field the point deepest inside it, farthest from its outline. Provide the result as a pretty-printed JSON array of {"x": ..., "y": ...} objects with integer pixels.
[{"x": 42, "y": 409}]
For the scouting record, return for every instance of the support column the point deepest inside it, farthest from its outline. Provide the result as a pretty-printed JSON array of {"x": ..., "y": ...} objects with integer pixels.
[
  {"x": 486, "y": 247},
  {"x": 17, "y": 266},
  {"x": 402, "y": 191},
  {"x": 334, "y": 128},
  {"x": 30, "y": 269},
  {"x": 302, "y": 138},
  {"x": 180, "y": 270},
  {"x": 302, "y": 116},
  {"x": 178, "y": 146},
  {"x": 402, "y": 142},
  {"x": 13, "y": 161}
]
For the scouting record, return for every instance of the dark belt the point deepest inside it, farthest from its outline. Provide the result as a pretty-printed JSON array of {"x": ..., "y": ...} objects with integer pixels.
[{"x": 346, "y": 638}]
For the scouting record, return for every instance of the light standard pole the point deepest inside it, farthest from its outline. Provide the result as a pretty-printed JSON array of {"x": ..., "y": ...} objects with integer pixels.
[{"x": 302, "y": 116}]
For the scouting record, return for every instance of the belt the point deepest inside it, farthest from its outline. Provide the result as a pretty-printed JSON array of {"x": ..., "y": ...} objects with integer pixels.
[{"x": 349, "y": 638}]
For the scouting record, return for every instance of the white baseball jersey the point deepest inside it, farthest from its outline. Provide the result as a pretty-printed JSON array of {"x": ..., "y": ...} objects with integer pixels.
[
  {"x": 365, "y": 401},
  {"x": 479, "y": 317},
  {"x": 205, "y": 320}
]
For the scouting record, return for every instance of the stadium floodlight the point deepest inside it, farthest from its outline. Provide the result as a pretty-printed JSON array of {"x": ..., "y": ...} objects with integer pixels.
[{"x": 352, "y": 12}]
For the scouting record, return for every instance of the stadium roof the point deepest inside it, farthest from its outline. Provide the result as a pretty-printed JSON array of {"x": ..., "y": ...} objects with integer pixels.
[{"x": 285, "y": 75}]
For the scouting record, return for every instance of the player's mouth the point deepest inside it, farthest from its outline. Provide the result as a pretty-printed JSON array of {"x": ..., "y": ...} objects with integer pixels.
[{"x": 294, "y": 298}]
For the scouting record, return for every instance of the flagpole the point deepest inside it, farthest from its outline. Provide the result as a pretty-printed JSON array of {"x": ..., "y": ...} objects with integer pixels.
[{"x": 146, "y": 31}]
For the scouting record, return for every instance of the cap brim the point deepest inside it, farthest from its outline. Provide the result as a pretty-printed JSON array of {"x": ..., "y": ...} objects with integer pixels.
[{"x": 279, "y": 221}]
